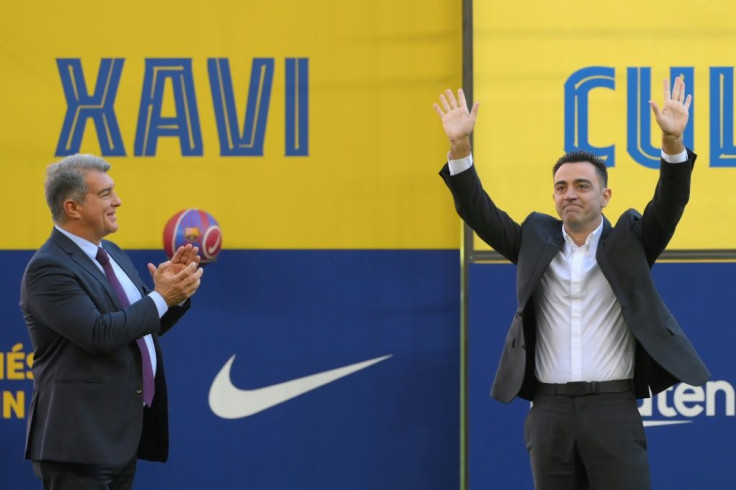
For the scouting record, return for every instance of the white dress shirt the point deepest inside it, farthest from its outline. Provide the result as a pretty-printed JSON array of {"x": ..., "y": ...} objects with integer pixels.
[{"x": 581, "y": 334}]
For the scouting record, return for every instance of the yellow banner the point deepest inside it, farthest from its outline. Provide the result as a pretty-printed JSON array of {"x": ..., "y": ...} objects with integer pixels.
[
  {"x": 554, "y": 76},
  {"x": 295, "y": 124}
]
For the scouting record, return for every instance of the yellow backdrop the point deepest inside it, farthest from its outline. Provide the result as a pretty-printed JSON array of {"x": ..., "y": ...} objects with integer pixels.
[
  {"x": 374, "y": 143},
  {"x": 526, "y": 52}
]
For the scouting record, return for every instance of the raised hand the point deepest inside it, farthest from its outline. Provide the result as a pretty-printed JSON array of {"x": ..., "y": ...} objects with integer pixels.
[
  {"x": 457, "y": 121},
  {"x": 673, "y": 116}
]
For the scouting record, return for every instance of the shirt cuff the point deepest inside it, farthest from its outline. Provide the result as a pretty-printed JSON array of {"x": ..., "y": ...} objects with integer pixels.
[
  {"x": 160, "y": 303},
  {"x": 679, "y": 158},
  {"x": 457, "y": 166}
]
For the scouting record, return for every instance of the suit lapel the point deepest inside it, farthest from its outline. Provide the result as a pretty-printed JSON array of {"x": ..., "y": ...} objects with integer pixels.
[
  {"x": 80, "y": 258},
  {"x": 83, "y": 260},
  {"x": 605, "y": 232},
  {"x": 127, "y": 266},
  {"x": 602, "y": 259},
  {"x": 530, "y": 279},
  {"x": 547, "y": 251},
  {"x": 600, "y": 254}
]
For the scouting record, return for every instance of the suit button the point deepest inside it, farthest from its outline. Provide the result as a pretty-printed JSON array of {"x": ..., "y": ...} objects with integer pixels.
[{"x": 139, "y": 390}]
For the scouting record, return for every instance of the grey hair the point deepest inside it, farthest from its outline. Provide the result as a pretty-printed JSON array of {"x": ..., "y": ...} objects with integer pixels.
[{"x": 65, "y": 179}]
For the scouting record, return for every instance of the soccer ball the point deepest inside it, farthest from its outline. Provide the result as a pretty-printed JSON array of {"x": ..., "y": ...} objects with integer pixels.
[{"x": 196, "y": 227}]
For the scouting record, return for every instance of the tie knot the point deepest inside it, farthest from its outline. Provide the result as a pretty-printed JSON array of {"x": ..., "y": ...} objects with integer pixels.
[{"x": 102, "y": 256}]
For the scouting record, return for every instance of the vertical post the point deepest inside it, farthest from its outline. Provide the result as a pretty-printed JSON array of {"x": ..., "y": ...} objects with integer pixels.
[{"x": 466, "y": 255}]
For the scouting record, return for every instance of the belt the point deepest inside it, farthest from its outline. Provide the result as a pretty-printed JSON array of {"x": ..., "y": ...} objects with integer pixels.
[{"x": 581, "y": 388}]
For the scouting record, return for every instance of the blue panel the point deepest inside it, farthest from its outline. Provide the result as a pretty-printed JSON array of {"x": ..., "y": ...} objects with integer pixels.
[
  {"x": 693, "y": 455},
  {"x": 289, "y": 314},
  {"x": 497, "y": 456},
  {"x": 687, "y": 455},
  {"x": 14, "y": 472}
]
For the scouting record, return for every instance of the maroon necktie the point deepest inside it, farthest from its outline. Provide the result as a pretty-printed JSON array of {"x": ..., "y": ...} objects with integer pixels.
[{"x": 149, "y": 385}]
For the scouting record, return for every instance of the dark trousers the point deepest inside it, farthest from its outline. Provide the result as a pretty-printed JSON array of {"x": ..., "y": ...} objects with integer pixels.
[
  {"x": 593, "y": 442},
  {"x": 73, "y": 476}
]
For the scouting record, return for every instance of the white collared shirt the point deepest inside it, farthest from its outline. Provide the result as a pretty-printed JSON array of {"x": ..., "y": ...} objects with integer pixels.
[
  {"x": 581, "y": 334},
  {"x": 131, "y": 291}
]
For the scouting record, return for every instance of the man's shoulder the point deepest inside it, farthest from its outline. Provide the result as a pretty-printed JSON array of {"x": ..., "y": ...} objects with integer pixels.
[
  {"x": 49, "y": 260},
  {"x": 628, "y": 218},
  {"x": 537, "y": 219},
  {"x": 540, "y": 227},
  {"x": 49, "y": 251}
]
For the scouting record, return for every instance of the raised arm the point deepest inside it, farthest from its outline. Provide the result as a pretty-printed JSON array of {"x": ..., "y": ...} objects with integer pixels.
[
  {"x": 457, "y": 121},
  {"x": 472, "y": 203},
  {"x": 661, "y": 216}
]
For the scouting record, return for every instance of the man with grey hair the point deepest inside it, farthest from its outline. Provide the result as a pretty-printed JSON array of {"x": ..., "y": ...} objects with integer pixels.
[{"x": 99, "y": 399}]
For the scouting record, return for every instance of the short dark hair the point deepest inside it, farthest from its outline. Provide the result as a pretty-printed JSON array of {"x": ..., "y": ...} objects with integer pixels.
[
  {"x": 66, "y": 180},
  {"x": 576, "y": 156}
]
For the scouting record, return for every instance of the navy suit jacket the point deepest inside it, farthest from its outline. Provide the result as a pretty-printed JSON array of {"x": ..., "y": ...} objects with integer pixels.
[
  {"x": 626, "y": 253},
  {"x": 87, "y": 403}
]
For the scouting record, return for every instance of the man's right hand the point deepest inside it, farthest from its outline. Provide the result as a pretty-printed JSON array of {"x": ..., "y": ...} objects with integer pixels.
[
  {"x": 457, "y": 121},
  {"x": 174, "y": 282}
]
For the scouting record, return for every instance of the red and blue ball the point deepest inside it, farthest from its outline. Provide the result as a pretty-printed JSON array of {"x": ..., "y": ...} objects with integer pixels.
[{"x": 197, "y": 227}]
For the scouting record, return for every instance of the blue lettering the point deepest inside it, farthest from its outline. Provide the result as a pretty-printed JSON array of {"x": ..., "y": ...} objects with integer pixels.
[
  {"x": 152, "y": 124},
  {"x": 577, "y": 87},
  {"x": 722, "y": 149},
  {"x": 168, "y": 107},
  {"x": 232, "y": 141},
  {"x": 82, "y": 106},
  {"x": 297, "y": 107}
]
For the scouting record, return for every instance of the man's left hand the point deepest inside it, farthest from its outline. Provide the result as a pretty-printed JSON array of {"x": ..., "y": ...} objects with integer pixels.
[{"x": 672, "y": 118}]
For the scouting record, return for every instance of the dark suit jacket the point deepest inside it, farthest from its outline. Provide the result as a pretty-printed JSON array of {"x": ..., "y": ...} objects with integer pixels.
[
  {"x": 87, "y": 403},
  {"x": 626, "y": 253}
]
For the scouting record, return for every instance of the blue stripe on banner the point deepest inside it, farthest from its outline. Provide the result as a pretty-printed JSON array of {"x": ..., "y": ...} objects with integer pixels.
[
  {"x": 350, "y": 357},
  {"x": 689, "y": 430}
]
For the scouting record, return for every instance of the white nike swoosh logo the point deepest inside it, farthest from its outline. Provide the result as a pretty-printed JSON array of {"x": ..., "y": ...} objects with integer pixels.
[
  {"x": 657, "y": 423},
  {"x": 229, "y": 402}
]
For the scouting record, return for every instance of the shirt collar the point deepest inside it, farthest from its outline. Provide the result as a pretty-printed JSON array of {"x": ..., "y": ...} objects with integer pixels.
[
  {"x": 590, "y": 245},
  {"x": 89, "y": 248}
]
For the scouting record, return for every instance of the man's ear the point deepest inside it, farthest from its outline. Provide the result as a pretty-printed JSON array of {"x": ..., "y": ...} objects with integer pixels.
[
  {"x": 606, "y": 194},
  {"x": 71, "y": 209}
]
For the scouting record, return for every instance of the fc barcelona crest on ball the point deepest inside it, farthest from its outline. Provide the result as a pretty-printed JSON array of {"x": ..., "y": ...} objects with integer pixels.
[{"x": 196, "y": 227}]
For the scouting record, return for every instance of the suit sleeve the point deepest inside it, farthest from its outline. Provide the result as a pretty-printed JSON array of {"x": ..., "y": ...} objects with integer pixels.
[
  {"x": 172, "y": 316},
  {"x": 80, "y": 310},
  {"x": 173, "y": 313},
  {"x": 478, "y": 210},
  {"x": 662, "y": 214}
]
